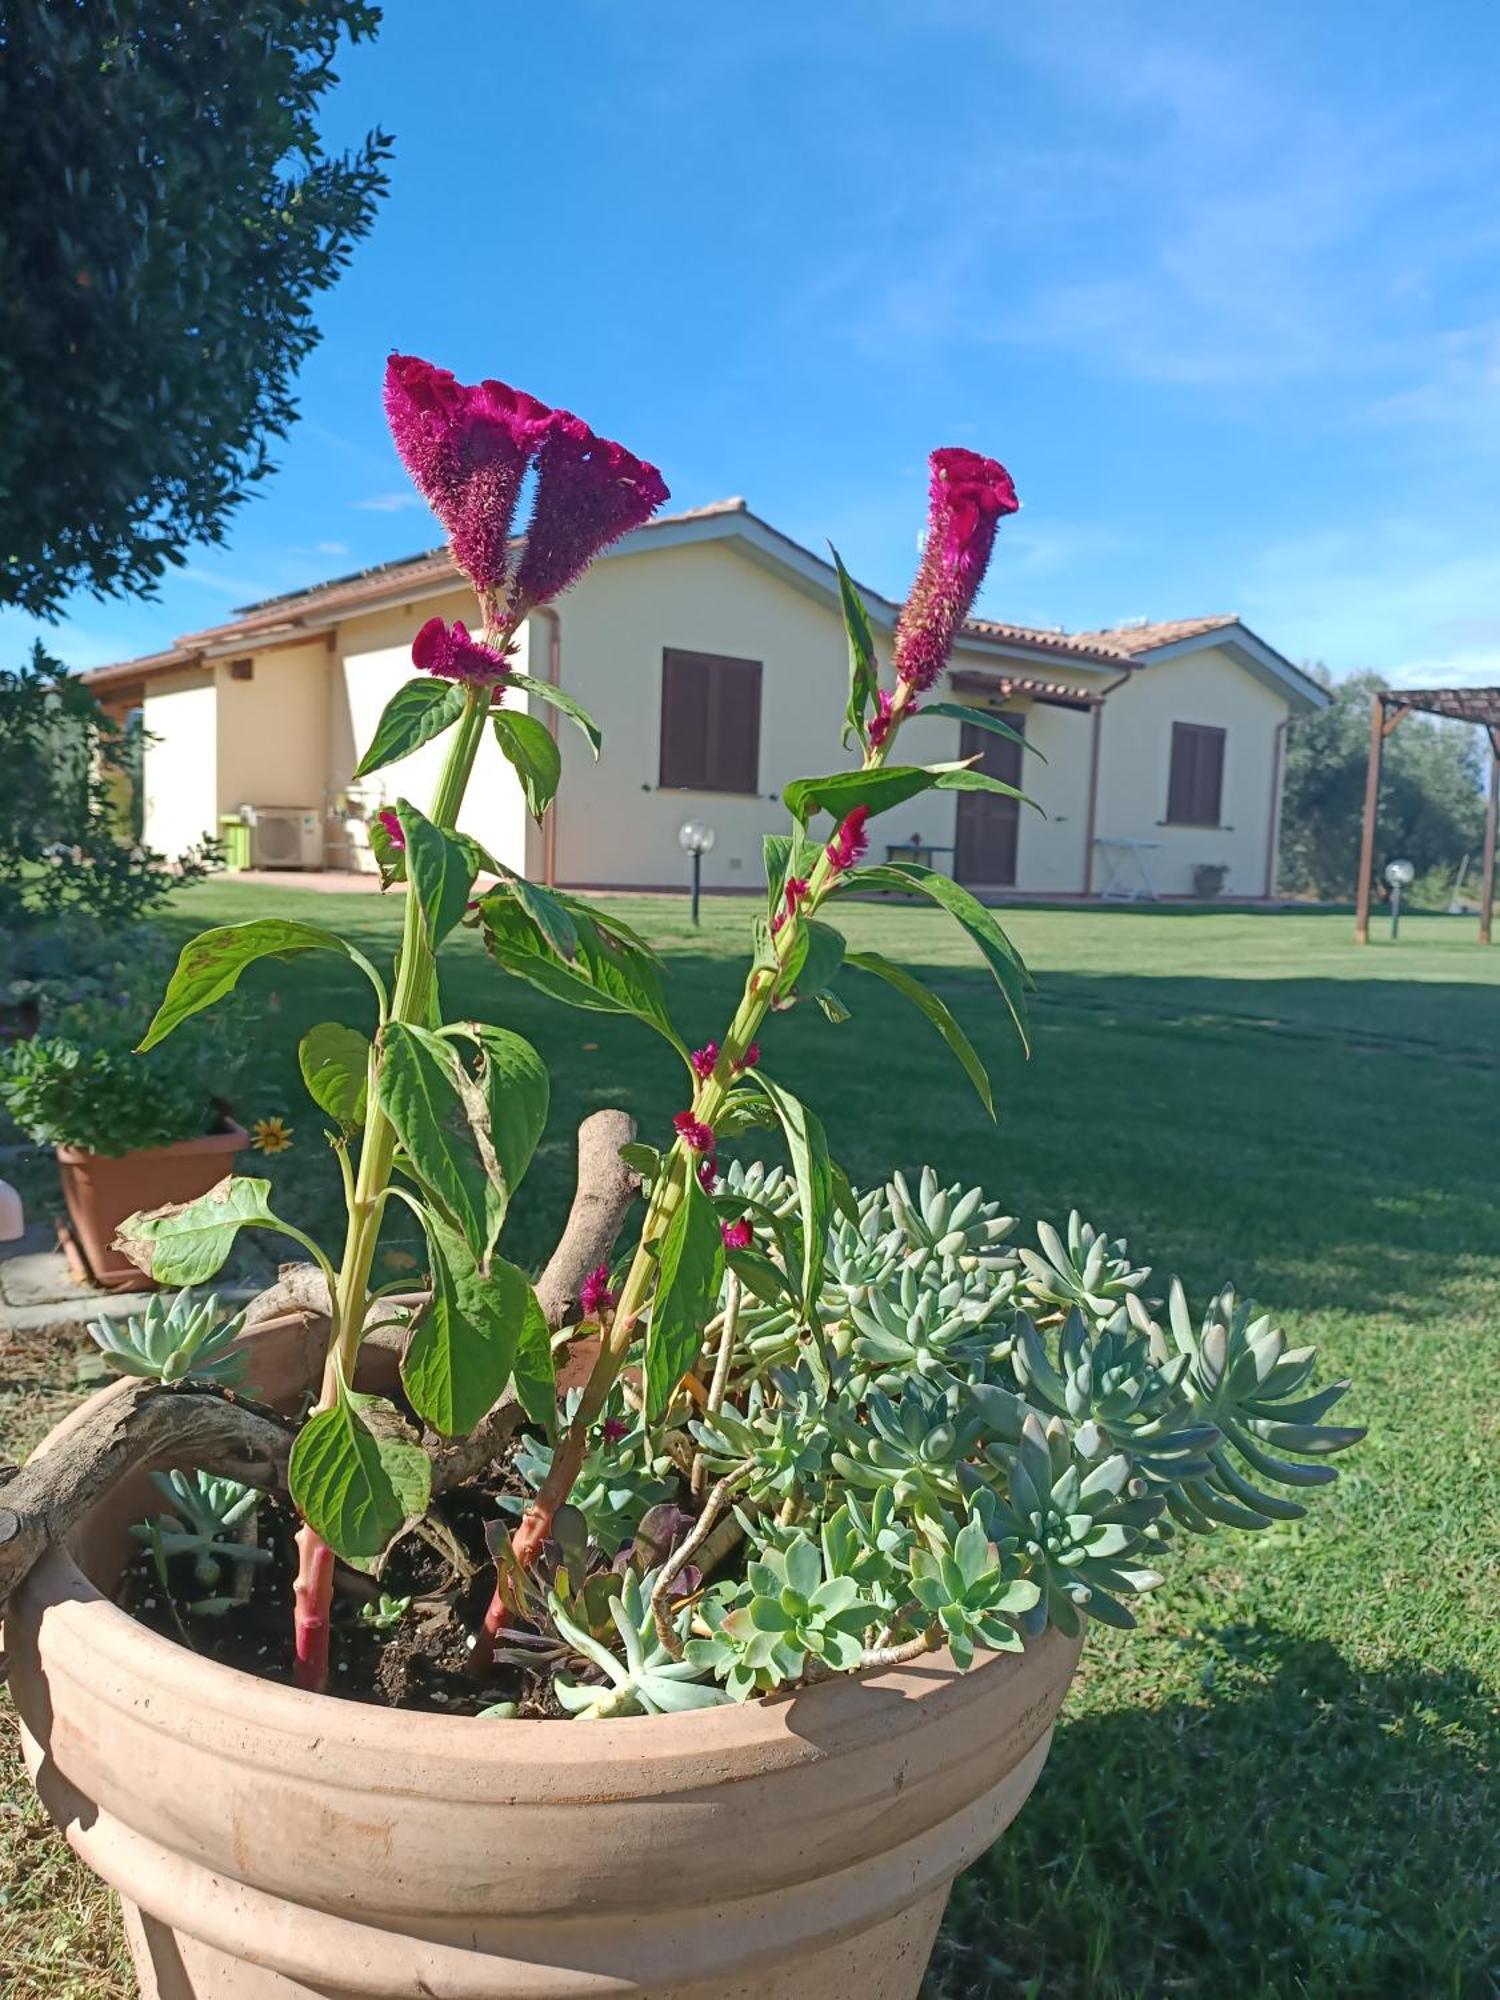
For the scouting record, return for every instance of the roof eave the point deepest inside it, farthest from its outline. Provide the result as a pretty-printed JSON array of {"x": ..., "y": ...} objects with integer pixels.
[{"x": 1302, "y": 693}]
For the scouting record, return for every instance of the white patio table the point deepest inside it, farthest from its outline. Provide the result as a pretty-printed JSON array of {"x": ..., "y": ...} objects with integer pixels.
[{"x": 1119, "y": 855}]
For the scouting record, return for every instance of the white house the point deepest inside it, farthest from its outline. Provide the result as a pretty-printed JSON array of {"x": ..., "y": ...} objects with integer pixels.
[{"x": 710, "y": 649}]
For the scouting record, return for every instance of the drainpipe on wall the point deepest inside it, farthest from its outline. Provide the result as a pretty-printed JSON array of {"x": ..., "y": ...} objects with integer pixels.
[
  {"x": 1089, "y": 824},
  {"x": 554, "y": 679},
  {"x": 1278, "y": 744}
]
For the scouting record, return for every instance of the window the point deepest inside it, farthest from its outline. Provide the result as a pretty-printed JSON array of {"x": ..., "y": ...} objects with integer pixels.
[
  {"x": 710, "y": 723},
  {"x": 242, "y": 670},
  {"x": 1195, "y": 789}
]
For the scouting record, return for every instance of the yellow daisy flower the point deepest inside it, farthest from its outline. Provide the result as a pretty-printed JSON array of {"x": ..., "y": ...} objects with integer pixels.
[{"x": 271, "y": 1135}]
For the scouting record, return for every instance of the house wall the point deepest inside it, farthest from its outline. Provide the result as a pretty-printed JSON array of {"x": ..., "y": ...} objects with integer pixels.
[
  {"x": 180, "y": 761},
  {"x": 371, "y": 659},
  {"x": 273, "y": 728},
  {"x": 1135, "y": 761},
  {"x": 615, "y": 824}
]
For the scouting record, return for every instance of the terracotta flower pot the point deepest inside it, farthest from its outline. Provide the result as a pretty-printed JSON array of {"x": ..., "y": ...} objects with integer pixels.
[
  {"x": 269, "y": 1843},
  {"x": 101, "y": 1192}
]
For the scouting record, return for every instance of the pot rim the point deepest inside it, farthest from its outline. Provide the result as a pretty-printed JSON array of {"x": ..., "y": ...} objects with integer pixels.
[{"x": 231, "y": 1137}]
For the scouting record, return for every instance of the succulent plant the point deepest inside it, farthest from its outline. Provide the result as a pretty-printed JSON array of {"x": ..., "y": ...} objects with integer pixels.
[
  {"x": 622, "y": 1476},
  {"x": 643, "y": 1678},
  {"x": 174, "y": 1341},
  {"x": 205, "y": 1519},
  {"x": 1086, "y": 1271},
  {"x": 386, "y": 1613},
  {"x": 783, "y": 1434},
  {"x": 974, "y": 1589},
  {"x": 790, "y": 1610}
]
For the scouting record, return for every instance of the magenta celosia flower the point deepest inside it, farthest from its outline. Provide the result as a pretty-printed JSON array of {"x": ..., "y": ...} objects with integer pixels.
[
  {"x": 612, "y": 1430},
  {"x": 467, "y": 446},
  {"x": 708, "y": 1173},
  {"x": 749, "y": 1059},
  {"x": 849, "y": 843},
  {"x": 704, "y": 1059},
  {"x": 737, "y": 1235},
  {"x": 594, "y": 1295},
  {"x": 589, "y": 493},
  {"x": 394, "y": 831},
  {"x": 969, "y": 494},
  {"x": 449, "y": 652},
  {"x": 879, "y": 725},
  {"x": 694, "y": 1134},
  {"x": 796, "y": 893}
]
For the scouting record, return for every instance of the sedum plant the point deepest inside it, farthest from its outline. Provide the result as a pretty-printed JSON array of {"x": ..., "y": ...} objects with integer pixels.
[
  {"x": 177, "y": 1340},
  {"x": 820, "y": 1430}
]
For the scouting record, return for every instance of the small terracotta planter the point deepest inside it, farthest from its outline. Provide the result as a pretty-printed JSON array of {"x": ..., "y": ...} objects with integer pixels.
[
  {"x": 274, "y": 1845},
  {"x": 101, "y": 1192}
]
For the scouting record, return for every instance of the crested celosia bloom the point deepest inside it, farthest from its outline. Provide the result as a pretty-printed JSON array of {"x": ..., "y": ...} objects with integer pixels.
[
  {"x": 704, "y": 1059},
  {"x": 694, "y": 1134},
  {"x": 467, "y": 446},
  {"x": 850, "y": 841},
  {"x": 594, "y": 1295},
  {"x": 737, "y": 1235},
  {"x": 879, "y": 725},
  {"x": 613, "y": 1429},
  {"x": 394, "y": 832},
  {"x": 795, "y": 894},
  {"x": 969, "y": 494},
  {"x": 589, "y": 493},
  {"x": 449, "y": 652}
]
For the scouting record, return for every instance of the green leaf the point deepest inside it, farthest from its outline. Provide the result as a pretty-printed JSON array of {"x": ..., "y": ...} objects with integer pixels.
[
  {"x": 356, "y": 1476},
  {"x": 608, "y": 974},
  {"x": 535, "y": 1369},
  {"x": 440, "y": 871},
  {"x": 210, "y": 966},
  {"x": 420, "y": 1086},
  {"x": 463, "y": 1349},
  {"x": 414, "y": 714},
  {"x": 184, "y": 1243},
  {"x": 548, "y": 912},
  {"x": 812, "y": 1171},
  {"x": 890, "y": 786},
  {"x": 863, "y": 673},
  {"x": 687, "y": 1288},
  {"x": 814, "y": 960},
  {"x": 776, "y": 849},
  {"x": 531, "y": 748},
  {"x": 335, "y": 1065},
  {"x": 981, "y": 718},
  {"x": 517, "y": 1090},
  {"x": 564, "y": 703},
  {"x": 936, "y": 1011},
  {"x": 999, "y": 953}
]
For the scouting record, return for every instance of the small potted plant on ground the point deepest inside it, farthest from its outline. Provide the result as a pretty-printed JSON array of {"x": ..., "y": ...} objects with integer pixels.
[
  {"x": 129, "y": 1131},
  {"x": 706, "y": 1606}
]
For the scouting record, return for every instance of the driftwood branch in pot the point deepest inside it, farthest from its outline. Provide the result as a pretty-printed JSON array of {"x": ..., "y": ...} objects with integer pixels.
[
  {"x": 602, "y": 1196},
  {"x": 132, "y": 1424}
]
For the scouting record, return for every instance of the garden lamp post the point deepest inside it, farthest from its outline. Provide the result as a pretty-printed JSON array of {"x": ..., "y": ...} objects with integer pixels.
[
  {"x": 696, "y": 839},
  {"x": 1398, "y": 874}
]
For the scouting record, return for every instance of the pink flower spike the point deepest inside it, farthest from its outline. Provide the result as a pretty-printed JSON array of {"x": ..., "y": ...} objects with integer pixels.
[
  {"x": 394, "y": 832},
  {"x": 849, "y": 843},
  {"x": 708, "y": 1173},
  {"x": 748, "y": 1060},
  {"x": 969, "y": 496},
  {"x": 694, "y": 1134},
  {"x": 736, "y": 1235},
  {"x": 589, "y": 493},
  {"x": 879, "y": 726},
  {"x": 594, "y": 1295},
  {"x": 451, "y": 654},
  {"x": 704, "y": 1060},
  {"x": 612, "y": 1430},
  {"x": 467, "y": 447}
]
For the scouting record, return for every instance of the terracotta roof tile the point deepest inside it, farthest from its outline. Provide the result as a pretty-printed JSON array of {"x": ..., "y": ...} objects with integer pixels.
[
  {"x": 1146, "y": 637},
  {"x": 1092, "y": 646}
]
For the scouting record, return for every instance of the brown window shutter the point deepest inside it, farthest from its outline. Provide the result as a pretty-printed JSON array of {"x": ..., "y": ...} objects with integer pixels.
[
  {"x": 1195, "y": 785},
  {"x": 710, "y": 722}
]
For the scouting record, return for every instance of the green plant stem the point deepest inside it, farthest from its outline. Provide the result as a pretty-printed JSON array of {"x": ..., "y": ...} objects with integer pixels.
[
  {"x": 761, "y": 986},
  {"x": 350, "y": 1290}
]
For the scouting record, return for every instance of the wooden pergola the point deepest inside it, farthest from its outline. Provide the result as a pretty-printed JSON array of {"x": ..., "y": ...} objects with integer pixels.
[{"x": 1388, "y": 710}]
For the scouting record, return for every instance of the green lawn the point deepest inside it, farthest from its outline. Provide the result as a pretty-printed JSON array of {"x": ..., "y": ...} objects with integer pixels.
[{"x": 1288, "y": 1782}]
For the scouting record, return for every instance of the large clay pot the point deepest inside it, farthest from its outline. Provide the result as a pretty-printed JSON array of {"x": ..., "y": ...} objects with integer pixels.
[
  {"x": 269, "y": 1843},
  {"x": 101, "y": 1192}
]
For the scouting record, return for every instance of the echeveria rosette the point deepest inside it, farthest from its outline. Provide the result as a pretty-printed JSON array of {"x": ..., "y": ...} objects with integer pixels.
[
  {"x": 969, "y": 496},
  {"x": 973, "y": 1588},
  {"x": 451, "y": 653},
  {"x": 589, "y": 493},
  {"x": 467, "y": 446}
]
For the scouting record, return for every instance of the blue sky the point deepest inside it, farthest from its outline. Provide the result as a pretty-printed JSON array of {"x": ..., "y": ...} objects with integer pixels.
[{"x": 1220, "y": 284}]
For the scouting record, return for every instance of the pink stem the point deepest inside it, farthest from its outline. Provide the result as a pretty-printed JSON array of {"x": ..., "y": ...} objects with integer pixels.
[{"x": 313, "y": 1594}]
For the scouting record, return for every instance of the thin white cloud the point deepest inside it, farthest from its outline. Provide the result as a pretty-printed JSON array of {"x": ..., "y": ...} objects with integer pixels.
[{"x": 388, "y": 503}]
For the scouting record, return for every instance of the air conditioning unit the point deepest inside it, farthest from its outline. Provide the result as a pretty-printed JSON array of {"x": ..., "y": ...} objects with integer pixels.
[{"x": 284, "y": 836}]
